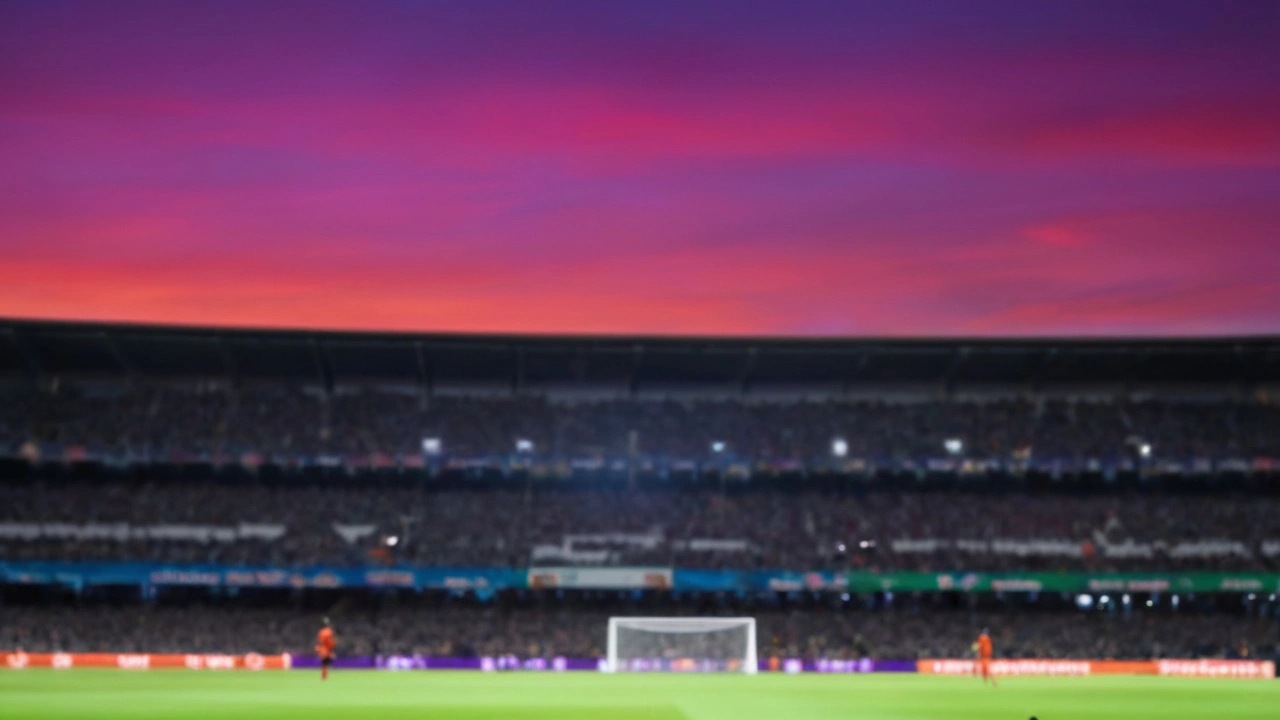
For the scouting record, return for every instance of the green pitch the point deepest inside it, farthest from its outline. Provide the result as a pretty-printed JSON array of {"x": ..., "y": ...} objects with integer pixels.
[{"x": 183, "y": 695}]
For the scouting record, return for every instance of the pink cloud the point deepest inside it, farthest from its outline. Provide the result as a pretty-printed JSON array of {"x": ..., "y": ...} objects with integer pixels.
[{"x": 1057, "y": 235}]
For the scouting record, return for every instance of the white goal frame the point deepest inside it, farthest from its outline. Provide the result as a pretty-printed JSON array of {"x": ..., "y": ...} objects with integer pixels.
[{"x": 750, "y": 664}]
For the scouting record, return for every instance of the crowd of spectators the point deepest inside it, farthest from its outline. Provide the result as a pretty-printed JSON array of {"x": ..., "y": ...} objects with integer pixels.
[
  {"x": 520, "y": 526},
  {"x": 152, "y": 420},
  {"x": 770, "y": 529},
  {"x": 801, "y": 530},
  {"x": 573, "y": 633}
]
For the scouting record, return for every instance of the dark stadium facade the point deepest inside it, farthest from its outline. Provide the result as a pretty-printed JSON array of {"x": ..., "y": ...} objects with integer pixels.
[{"x": 640, "y": 365}]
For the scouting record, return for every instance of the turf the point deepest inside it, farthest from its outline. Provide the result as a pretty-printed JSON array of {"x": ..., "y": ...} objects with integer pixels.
[{"x": 180, "y": 695}]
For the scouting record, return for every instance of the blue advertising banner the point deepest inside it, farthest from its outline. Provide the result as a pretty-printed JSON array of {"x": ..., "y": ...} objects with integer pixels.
[
  {"x": 484, "y": 581},
  {"x": 154, "y": 574},
  {"x": 476, "y": 579},
  {"x": 712, "y": 580}
]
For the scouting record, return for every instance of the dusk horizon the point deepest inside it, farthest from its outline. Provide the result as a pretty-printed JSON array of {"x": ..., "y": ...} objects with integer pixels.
[{"x": 720, "y": 169}]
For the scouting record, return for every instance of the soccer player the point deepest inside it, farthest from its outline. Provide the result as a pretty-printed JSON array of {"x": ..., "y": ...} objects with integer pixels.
[
  {"x": 324, "y": 648},
  {"x": 984, "y": 657}
]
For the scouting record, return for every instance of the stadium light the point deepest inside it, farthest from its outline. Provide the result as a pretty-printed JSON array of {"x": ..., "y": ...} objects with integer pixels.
[
  {"x": 523, "y": 445},
  {"x": 1150, "y": 604},
  {"x": 432, "y": 446},
  {"x": 1084, "y": 602},
  {"x": 1145, "y": 450},
  {"x": 1125, "y": 599},
  {"x": 840, "y": 547},
  {"x": 839, "y": 447},
  {"x": 717, "y": 446},
  {"x": 955, "y": 446},
  {"x": 867, "y": 544},
  {"x": 1104, "y": 600},
  {"x": 392, "y": 541}
]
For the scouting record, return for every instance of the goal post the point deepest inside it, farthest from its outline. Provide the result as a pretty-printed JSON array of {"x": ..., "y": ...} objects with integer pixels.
[{"x": 682, "y": 644}]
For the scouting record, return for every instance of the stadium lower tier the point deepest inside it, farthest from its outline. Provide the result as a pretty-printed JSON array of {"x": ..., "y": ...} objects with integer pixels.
[
  {"x": 153, "y": 517},
  {"x": 550, "y": 625}
]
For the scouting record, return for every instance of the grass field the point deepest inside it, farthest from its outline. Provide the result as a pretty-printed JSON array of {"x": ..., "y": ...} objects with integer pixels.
[{"x": 179, "y": 695}]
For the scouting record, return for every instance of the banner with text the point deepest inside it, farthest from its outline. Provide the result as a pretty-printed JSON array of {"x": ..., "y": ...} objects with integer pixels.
[
  {"x": 478, "y": 579},
  {"x": 563, "y": 664},
  {"x": 1244, "y": 669},
  {"x": 602, "y": 578},
  {"x": 78, "y": 575},
  {"x": 1063, "y": 582},
  {"x": 143, "y": 661}
]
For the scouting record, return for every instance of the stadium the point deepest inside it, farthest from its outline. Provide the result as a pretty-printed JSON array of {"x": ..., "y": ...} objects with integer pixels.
[
  {"x": 639, "y": 360},
  {"x": 507, "y": 505}
]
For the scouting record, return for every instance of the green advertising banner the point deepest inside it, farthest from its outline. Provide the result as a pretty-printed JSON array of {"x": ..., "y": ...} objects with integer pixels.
[{"x": 1186, "y": 582}]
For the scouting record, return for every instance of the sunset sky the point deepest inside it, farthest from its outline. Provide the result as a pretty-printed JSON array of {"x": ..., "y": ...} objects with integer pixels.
[{"x": 669, "y": 167}]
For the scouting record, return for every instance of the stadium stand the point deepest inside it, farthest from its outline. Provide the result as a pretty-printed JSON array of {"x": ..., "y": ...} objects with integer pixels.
[
  {"x": 161, "y": 422},
  {"x": 181, "y": 448},
  {"x": 272, "y": 524}
]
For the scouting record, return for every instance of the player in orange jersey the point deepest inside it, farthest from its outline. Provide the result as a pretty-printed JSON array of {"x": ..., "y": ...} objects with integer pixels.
[
  {"x": 324, "y": 648},
  {"x": 984, "y": 657}
]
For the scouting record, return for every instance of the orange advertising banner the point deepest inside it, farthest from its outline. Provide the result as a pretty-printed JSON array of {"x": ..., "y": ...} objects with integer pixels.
[
  {"x": 143, "y": 661},
  {"x": 1080, "y": 668}
]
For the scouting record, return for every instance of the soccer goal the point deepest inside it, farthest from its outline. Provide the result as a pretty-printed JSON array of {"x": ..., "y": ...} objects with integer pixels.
[{"x": 667, "y": 644}]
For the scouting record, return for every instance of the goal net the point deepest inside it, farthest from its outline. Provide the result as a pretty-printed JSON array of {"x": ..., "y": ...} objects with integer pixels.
[{"x": 682, "y": 645}]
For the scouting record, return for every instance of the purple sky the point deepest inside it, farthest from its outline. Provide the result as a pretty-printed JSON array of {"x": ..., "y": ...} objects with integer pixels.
[{"x": 820, "y": 168}]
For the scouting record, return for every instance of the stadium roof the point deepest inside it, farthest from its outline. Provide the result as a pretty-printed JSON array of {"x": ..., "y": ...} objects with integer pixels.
[{"x": 45, "y": 349}]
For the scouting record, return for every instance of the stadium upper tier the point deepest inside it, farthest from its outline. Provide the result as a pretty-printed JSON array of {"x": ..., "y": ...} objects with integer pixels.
[
  {"x": 256, "y": 524},
  {"x": 161, "y": 422},
  {"x": 151, "y": 399}
]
